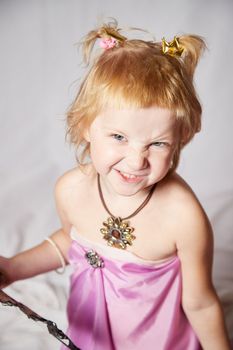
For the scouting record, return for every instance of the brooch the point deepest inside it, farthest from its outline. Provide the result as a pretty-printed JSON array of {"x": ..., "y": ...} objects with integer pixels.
[{"x": 94, "y": 259}]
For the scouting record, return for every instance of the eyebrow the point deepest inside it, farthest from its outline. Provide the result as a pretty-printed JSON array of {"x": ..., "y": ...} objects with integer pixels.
[{"x": 113, "y": 130}]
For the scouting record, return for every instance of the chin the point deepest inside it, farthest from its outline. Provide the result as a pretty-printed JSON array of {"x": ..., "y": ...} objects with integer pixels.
[{"x": 127, "y": 190}]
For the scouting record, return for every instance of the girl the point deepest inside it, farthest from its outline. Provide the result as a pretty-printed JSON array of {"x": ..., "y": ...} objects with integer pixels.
[{"x": 137, "y": 237}]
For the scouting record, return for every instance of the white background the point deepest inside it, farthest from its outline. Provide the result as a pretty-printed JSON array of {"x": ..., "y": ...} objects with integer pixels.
[{"x": 39, "y": 74}]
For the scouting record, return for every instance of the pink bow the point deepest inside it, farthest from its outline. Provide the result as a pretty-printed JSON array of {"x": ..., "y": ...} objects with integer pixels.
[{"x": 108, "y": 43}]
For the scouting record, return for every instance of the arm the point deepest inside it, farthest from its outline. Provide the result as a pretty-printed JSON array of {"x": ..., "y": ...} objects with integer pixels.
[
  {"x": 43, "y": 257},
  {"x": 199, "y": 299},
  {"x": 40, "y": 259}
]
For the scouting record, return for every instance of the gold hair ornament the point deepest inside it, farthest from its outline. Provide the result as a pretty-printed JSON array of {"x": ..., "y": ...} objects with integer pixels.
[{"x": 172, "y": 48}]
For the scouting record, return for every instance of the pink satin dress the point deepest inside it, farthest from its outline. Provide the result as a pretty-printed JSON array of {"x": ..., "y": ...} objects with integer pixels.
[{"x": 119, "y": 301}]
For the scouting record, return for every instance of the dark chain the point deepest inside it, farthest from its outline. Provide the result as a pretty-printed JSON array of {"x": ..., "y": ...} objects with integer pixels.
[
  {"x": 144, "y": 203},
  {"x": 52, "y": 327}
]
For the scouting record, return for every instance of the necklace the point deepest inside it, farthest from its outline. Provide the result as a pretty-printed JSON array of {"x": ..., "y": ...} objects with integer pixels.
[{"x": 117, "y": 231}]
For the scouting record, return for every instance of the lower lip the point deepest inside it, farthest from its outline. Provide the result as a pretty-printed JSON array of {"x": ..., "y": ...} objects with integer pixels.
[{"x": 130, "y": 180}]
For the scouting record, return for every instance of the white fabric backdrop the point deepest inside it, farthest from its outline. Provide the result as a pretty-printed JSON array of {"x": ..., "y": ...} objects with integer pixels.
[{"x": 39, "y": 66}]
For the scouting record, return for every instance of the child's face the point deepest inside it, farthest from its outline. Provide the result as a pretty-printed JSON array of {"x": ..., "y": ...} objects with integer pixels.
[{"x": 132, "y": 148}]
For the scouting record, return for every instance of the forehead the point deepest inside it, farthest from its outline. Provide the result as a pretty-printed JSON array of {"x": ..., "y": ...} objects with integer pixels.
[{"x": 144, "y": 120}]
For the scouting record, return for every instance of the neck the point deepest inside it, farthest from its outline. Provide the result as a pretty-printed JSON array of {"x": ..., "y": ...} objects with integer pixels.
[
  {"x": 125, "y": 203},
  {"x": 110, "y": 193}
]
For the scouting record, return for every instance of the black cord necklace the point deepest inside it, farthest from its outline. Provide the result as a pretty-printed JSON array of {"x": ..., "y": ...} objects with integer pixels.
[{"x": 116, "y": 230}]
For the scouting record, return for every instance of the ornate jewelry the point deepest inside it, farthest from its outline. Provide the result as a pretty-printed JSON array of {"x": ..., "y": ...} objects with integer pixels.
[
  {"x": 94, "y": 259},
  {"x": 116, "y": 231},
  {"x": 172, "y": 48}
]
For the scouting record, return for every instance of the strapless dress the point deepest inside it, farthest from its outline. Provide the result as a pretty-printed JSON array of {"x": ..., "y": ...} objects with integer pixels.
[{"x": 119, "y": 301}]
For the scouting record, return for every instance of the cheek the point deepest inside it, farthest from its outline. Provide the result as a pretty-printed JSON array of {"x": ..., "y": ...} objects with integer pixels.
[
  {"x": 111, "y": 157},
  {"x": 162, "y": 161},
  {"x": 103, "y": 156}
]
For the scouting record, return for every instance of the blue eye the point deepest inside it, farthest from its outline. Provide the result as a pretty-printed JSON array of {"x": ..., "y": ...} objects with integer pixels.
[
  {"x": 159, "y": 144},
  {"x": 118, "y": 137}
]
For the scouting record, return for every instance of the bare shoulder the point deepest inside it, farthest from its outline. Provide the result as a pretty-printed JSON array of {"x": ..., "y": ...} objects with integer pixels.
[
  {"x": 71, "y": 190},
  {"x": 69, "y": 180},
  {"x": 186, "y": 213},
  {"x": 194, "y": 243},
  {"x": 72, "y": 181}
]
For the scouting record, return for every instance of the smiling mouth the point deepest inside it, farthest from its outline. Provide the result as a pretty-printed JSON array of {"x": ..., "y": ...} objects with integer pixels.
[{"x": 130, "y": 177}]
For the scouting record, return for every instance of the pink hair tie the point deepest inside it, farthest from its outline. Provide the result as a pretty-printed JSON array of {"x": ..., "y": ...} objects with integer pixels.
[{"x": 107, "y": 43}]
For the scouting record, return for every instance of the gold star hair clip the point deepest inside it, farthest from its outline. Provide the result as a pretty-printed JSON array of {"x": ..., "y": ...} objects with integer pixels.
[{"x": 172, "y": 48}]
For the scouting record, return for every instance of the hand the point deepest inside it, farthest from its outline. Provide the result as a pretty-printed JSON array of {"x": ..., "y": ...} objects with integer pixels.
[{"x": 5, "y": 276}]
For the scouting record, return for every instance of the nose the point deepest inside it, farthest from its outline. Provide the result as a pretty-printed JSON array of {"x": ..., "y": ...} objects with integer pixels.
[{"x": 137, "y": 160}]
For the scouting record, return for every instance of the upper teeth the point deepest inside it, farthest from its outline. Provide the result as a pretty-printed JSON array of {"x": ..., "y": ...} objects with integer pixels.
[{"x": 129, "y": 176}]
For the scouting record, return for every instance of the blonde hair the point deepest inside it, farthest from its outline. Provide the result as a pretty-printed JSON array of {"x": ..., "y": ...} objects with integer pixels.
[{"x": 136, "y": 74}]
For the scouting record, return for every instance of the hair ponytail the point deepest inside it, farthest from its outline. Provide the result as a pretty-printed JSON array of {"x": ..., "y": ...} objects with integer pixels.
[
  {"x": 194, "y": 46},
  {"x": 107, "y": 31}
]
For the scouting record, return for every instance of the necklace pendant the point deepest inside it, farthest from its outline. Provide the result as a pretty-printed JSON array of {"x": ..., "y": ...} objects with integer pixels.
[{"x": 117, "y": 233}]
